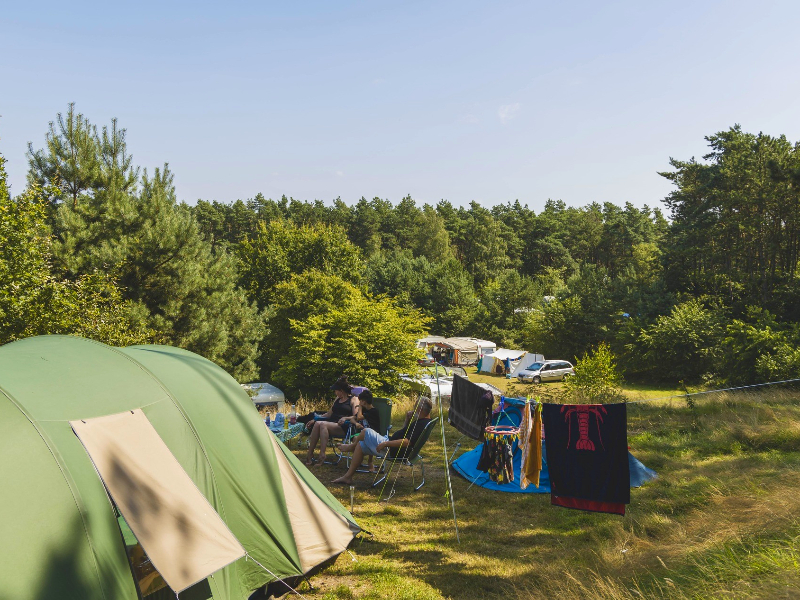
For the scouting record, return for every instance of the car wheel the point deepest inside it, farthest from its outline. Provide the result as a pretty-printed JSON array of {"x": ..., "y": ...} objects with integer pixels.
[
  {"x": 566, "y": 376},
  {"x": 537, "y": 379}
]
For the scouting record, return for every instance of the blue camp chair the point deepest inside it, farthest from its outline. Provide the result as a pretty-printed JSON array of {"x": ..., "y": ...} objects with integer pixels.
[{"x": 411, "y": 459}]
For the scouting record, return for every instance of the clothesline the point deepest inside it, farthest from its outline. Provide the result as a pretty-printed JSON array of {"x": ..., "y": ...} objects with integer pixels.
[
  {"x": 730, "y": 389},
  {"x": 685, "y": 395}
]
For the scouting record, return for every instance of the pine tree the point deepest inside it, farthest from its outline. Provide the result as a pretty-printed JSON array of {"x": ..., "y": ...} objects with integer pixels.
[
  {"x": 132, "y": 227},
  {"x": 34, "y": 302}
]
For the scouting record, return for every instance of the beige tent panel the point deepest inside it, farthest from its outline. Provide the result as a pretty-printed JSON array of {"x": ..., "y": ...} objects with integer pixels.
[
  {"x": 185, "y": 539},
  {"x": 319, "y": 532}
]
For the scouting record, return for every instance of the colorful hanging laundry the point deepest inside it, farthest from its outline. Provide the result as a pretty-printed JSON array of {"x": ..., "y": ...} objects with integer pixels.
[
  {"x": 532, "y": 455},
  {"x": 497, "y": 458},
  {"x": 587, "y": 456}
]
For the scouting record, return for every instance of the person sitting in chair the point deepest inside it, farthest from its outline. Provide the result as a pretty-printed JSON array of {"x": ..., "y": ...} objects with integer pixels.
[
  {"x": 371, "y": 443},
  {"x": 368, "y": 417},
  {"x": 334, "y": 422}
]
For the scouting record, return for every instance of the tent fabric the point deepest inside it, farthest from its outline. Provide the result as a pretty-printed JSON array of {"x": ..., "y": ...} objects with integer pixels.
[
  {"x": 456, "y": 343},
  {"x": 67, "y": 542},
  {"x": 183, "y": 536},
  {"x": 504, "y": 353},
  {"x": 320, "y": 532},
  {"x": 526, "y": 361},
  {"x": 466, "y": 465},
  {"x": 490, "y": 362}
]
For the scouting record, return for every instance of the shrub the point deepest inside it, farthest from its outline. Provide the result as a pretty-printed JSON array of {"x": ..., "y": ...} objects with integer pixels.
[{"x": 596, "y": 378}]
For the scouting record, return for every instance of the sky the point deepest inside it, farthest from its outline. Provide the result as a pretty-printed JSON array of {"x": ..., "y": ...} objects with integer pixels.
[{"x": 466, "y": 101}]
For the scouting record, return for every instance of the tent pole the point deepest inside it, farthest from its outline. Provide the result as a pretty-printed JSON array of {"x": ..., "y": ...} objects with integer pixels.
[{"x": 444, "y": 451}]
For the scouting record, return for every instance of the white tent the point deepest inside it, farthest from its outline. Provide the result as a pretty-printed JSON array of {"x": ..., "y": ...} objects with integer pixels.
[
  {"x": 526, "y": 361},
  {"x": 491, "y": 361}
]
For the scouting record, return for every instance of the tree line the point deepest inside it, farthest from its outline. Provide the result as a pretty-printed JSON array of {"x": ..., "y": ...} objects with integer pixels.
[{"x": 298, "y": 292}]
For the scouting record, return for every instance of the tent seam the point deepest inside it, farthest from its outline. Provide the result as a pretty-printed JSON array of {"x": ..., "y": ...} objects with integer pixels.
[{"x": 66, "y": 480}]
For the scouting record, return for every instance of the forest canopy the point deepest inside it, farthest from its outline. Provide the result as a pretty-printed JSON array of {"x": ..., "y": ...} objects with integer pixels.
[{"x": 300, "y": 291}]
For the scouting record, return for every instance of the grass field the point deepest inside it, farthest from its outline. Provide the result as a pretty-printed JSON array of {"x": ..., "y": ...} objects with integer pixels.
[{"x": 721, "y": 520}]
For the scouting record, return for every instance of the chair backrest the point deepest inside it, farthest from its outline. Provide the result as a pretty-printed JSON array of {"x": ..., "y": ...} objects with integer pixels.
[
  {"x": 422, "y": 439},
  {"x": 384, "y": 406}
]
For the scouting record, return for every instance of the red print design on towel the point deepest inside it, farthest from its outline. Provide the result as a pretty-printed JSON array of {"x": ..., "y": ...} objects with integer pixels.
[{"x": 584, "y": 411}]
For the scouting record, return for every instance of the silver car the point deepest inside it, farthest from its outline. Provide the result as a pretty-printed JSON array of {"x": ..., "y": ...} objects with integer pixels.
[{"x": 549, "y": 370}]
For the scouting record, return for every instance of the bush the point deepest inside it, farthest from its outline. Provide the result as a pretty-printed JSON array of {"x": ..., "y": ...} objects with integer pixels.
[
  {"x": 596, "y": 378},
  {"x": 683, "y": 345}
]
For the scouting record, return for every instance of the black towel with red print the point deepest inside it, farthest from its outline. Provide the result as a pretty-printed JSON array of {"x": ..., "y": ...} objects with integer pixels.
[{"x": 587, "y": 456}]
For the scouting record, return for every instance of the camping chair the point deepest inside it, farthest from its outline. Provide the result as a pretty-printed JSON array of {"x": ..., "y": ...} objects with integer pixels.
[
  {"x": 384, "y": 406},
  {"x": 412, "y": 458},
  {"x": 333, "y": 444}
]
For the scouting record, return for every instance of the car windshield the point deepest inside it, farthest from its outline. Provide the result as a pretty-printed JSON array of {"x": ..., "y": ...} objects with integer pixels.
[{"x": 534, "y": 367}]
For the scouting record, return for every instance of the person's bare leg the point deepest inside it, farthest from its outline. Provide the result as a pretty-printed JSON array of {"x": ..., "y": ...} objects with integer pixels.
[
  {"x": 358, "y": 456},
  {"x": 352, "y": 445},
  {"x": 312, "y": 442},
  {"x": 324, "y": 436},
  {"x": 370, "y": 465}
]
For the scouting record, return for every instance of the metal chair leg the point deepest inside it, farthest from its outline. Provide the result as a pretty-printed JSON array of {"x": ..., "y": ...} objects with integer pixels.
[
  {"x": 336, "y": 452},
  {"x": 422, "y": 467}
]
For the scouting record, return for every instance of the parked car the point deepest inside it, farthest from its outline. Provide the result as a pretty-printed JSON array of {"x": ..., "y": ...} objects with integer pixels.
[{"x": 548, "y": 370}]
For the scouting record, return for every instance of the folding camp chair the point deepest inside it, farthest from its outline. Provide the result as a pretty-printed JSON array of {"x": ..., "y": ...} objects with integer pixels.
[
  {"x": 412, "y": 458},
  {"x": 333, "y": 443},
  {"x": 384, "y": 406}
]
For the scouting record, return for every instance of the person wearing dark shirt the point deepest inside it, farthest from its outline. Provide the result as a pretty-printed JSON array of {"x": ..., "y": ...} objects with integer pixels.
[
  {"x": 367, "y": 417},
  {"x": 333, "y": 422},
  {"x": 370, "y": 442}
]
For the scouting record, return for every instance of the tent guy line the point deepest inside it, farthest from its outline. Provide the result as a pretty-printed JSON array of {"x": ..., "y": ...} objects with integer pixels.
[
  {"x": 444, "y": 451},
  {"x": 294, "y": 591}
]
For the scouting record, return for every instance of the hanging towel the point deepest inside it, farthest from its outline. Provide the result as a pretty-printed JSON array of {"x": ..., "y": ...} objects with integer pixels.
[
  {"x": 587, "y": 456},
  {"x": 470, "y": 407},
  {"x": 525, "y": 428},
  {"x": 533, "y": 468}
]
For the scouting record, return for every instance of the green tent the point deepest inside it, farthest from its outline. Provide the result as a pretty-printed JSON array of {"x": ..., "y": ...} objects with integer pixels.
[{"x": 65, "y": 534}]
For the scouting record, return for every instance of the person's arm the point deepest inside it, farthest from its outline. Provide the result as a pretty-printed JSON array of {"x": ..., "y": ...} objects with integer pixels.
[{"x": 360, "y": 420}]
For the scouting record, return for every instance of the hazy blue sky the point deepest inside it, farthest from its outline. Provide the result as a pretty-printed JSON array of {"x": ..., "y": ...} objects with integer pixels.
[{"x": 463, "y": 100}]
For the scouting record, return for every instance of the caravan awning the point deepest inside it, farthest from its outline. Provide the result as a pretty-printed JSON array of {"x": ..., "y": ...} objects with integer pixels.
[
  {"x": 184, "y": 537},
  {"x": 462, "y": 344}
]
